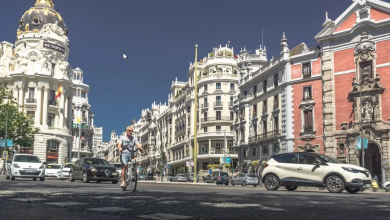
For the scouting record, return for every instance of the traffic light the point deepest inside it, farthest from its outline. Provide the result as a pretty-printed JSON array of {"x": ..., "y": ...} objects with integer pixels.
[
  {"x": 149, "y": 115},
  {"x": 164, "y": 156}
]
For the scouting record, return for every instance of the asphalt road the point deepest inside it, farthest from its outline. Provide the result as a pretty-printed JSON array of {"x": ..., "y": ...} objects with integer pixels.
[{"x": 54, "y": 199}]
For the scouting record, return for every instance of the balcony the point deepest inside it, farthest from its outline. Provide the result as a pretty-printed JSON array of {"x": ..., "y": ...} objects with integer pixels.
[
  {"x": 205, "y": 105},
  {"x": 53, "y": 102},
  {"x": 218, "y": 118},
  {"x": 308, "y": 128},
  {"x": 31, "y": 101},
  {"x": 218, "y": 104},
  {"x": 252, "y": 139},
  {"x": 230, "y": 104}
]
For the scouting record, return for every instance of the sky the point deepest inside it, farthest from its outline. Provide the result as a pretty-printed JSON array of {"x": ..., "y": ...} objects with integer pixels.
[{"x": 159, "y": 38}]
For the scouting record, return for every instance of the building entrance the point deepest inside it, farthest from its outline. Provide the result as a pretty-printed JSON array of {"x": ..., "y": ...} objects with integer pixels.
[{"x": 373, "y": 161}]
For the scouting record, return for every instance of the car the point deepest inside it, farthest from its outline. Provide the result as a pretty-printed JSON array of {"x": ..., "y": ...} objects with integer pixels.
[
  {"x": 179, "y": 178},
  {"x": 141, "y": 176},
  {"x": 386, "y": 186},
  {"x": 217, "y": 177},
  {"x": 313, "y": 169},
  {"x": 190, "y": 177},
  {"x": 25, "y": 166},
  {"x": 96, "y": 169},
  {"x": 170, "y": 177},
  {"x": 119, "y": 167},
  {"x": 244, "y": 179},
  {"x": 64, "y": 172},
  {"x": 52, "y": 169}
]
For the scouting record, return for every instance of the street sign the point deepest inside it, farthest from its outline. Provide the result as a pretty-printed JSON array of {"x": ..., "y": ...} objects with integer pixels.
[
  {"x": 5, "y": 155},
  {"x": 9, "y": 143},
  {"x": 224, "y": 160},
  {"x": 189, "y": 169},
  {"x": 358, "y": 143},
  {"x": 188, "y": 163},
  {"x": 140, "y": 168},
  {"x": 192, "y": 163}
]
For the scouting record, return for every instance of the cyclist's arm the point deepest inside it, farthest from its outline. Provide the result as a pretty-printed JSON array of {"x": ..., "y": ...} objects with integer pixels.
[
  {"x": 140, "y": 147},
  {"x": 120, "y": 146}
]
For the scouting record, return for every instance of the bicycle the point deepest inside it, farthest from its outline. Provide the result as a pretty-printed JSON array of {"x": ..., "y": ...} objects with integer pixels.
[{"x": 131, "y": 175}]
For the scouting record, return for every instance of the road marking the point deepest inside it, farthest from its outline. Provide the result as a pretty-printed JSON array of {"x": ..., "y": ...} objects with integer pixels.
[
  {"x": 163, "y": 216},
  {"x": 27, "y": 199},
  {"x": 63, "y": 204},
  {"x": 109, "y": 209}
]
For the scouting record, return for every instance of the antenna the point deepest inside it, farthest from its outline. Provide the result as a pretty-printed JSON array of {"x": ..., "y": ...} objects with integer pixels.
[{"x": 262, "y": 35}]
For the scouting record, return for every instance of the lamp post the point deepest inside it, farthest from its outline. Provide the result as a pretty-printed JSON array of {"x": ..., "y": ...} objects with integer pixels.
[
  {"x": 196, "y": 114},
  {"x": 6, "y": 132}
]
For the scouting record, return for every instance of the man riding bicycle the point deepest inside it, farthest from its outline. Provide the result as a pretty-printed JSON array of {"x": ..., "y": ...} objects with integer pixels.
[{"x": 126, "y": 146}]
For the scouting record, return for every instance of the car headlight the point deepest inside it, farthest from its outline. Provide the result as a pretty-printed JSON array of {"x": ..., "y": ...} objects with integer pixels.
[
  {"x": 349, "y": 169},
  {"x": 93, "y": 169}
]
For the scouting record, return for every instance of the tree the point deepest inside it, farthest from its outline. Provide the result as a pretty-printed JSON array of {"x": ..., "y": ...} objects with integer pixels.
[{"x": 20, "y": 127}]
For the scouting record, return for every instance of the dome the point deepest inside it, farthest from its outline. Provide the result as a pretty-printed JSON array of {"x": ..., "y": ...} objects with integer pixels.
[{"x": 36, "y": 17}]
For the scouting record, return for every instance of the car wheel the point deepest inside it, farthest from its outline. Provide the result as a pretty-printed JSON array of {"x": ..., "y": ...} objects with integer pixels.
[
  {"x": 7, "y": 178},
  {"x": 271, "y": 182},
  {"x": 335, "y": 184},
  {"x": 232, "y": 182},
  {"x": 34, "y": 179},
  {"x": 71, "y": 179},
  {"x": 98, "y": 181},
  {"x": 85, "y": 177},
  {"x": 291, "y": 188},
  {"x": 352, "y": 190},
  {"x": 42, "y": 179},
  {"x": 387, "y": 188},
  {"x": 114, "y": 182},
  {"x": 244, "y": 183}
]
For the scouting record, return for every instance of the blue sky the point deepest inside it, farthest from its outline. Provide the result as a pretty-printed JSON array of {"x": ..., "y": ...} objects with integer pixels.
[{"x": 159, "y": 37}]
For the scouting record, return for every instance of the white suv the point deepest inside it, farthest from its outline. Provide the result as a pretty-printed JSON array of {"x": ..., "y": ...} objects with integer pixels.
[
  {"x": 25, "y": 166},
  {"x": 311, "y": 169}
]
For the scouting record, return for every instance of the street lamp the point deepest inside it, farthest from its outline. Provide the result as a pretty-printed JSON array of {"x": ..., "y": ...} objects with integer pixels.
[{"x": 6, "y": 131}]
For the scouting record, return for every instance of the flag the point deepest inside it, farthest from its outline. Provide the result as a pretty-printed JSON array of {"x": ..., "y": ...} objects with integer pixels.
[{"x": 58, "y": 92}]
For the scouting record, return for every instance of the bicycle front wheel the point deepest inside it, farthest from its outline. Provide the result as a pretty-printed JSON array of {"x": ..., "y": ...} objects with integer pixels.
[
  {"x": 126, "y": 178},
  {"x": 133, "y": 180}
]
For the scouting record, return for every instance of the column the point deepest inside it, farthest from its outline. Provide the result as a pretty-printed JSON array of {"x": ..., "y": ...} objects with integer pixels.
[
  {"x": 45, "y": 106},
  {"x": 21, "y": 103},
  {"x": 62, "y": 110},
  {"x": 38, "y": 112},
  {"x": 69, "y": 115}
]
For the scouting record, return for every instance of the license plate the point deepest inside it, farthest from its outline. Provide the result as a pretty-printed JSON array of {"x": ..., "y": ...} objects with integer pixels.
[
  {"x": 367, "y": 186},
  {"x": 115, "y": 174},
  {"x": 30, "y": 171}
]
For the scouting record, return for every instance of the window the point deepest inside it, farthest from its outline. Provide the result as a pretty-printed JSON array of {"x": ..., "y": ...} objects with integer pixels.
[
  {"x": 307, "y": 93},
  {"x": 52, "y": 151},
  {"x": 205, "y": 88},
  {"x": 242, "y": 113},
  {"x": 31, "y": 93},
  {"x": 308, "y": 120},
  {"x": 244, "y": 153},
  {"x": 255, "y": 151},
  {"x": 218, "y": 113},
  {"x": 265, "y": 86},
  {"x": 204, "y": 116},
  {"x": 276, "y": 80},
  {"x": 245, "y": 93},
  {"x": 53, "y": 66},
  {"x": 254, "y": 110},
  {"x": 265, "y": 150},
  {"x": 231, "y": 86},
  {"x": 31, "y": 116},
  {"x": 307, "y": 159},
  {"x": 189, "y": 109},
  {"x": 265, "y": 128},
  {"x": 276, "y": 101},
  {"x": 218, "y": 101},
  {"x": 306, "y": 70},
  {"x": 366, "y": 70},
  {"x": 276, "y": 124},
  {"x": 204, "y": 129},
  {"x": 218, "y": 128},
  {"x": 218, "y": 86},
  {"x": 52, "y": 95},
  {"x": 205, "y": 102},
  {"x": 289, "y": 158},
  {"x": 231, "y": 101},
  {"x": 265, "y": 106},
  {"x": 231, "y": 128},
  {"x": 254, "y": 91},
  {"x": 276, "y": 148},
  {"x": 50, "y": 120}
]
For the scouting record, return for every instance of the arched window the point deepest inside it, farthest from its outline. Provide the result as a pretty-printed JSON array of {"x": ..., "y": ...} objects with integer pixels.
[{"x": 52, "y": 151}]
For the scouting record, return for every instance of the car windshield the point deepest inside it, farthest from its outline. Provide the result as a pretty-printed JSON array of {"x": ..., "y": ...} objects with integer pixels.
[
  {"x": 27, "y": 159},
  {"x": 53, "y": 167},
  {"x": 328, "y": 159},
  {"x": 96, "y": 162},
  {"x": 182, "y": 175},
  {"x": 68, "y": 166}
]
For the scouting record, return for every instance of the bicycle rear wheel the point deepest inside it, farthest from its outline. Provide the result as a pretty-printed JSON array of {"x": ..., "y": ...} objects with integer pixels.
[{"x": 133, "y": 180}]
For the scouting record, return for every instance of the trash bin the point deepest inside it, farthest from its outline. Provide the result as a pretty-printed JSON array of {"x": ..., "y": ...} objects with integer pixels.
[{"x": 150, "y": 176}]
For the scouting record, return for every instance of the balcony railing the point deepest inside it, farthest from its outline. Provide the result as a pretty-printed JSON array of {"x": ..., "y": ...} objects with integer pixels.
[
  {"x": 230, "y": 103},
  {"x": 31, "y": 100},
  {"x": 265, "y": 135},
  {"x": 218, "y": 103},
  {"x": 307, "y": 128},
  {"x": 53, "y": 102},
  {"x": 205, "y": 105},
  {"x": 218, "y": 118},
  {"x": 307, "y": 98}
]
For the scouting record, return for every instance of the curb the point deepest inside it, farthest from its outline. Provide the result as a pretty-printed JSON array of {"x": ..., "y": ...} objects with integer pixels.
[{"x": 183, "y": 183}]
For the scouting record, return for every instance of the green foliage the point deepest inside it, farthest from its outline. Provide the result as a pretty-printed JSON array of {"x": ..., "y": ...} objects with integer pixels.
[
  {"x": 181, "y": 170},
  {"x": 215, "y": 166},
  {"x": 255, "y": 163},
  {"x": 227, "y": 166},
  {"x": 212, "y": 54},
  {"x": 20, "y": 127}
]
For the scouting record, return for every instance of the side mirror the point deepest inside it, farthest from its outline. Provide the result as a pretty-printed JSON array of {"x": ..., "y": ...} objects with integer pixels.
[{"x": 317, "y": 163}]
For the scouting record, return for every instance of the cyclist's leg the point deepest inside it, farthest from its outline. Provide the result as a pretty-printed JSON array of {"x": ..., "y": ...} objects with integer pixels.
[{"x": 123, "y": 158}]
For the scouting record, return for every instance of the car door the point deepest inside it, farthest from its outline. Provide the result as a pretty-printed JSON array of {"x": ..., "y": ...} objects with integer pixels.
[
  {"x": 309, "y": 173},
  {"x": 287, "y": 169},
  {"x": 77, "y": 169}
]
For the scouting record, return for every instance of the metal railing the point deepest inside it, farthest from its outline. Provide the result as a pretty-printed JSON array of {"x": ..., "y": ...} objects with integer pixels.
[
  {"x": 53, "y": 102},
  {"x": 269, "y": 134},
  {"x": 31, "y": 100},
  {"x": 218, "y": 118},
  {"x": 205, "y": 105},
  {"x": 218, "y": 103},
  {"x": 230, "y": 103}
]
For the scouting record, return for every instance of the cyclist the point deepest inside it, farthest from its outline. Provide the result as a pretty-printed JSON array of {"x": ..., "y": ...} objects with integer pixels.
[{"x": 127, "y": 146}]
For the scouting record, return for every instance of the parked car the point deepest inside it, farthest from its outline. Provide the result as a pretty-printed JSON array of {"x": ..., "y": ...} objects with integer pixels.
[
  {"x": 52, "y": 169},
  {"x": 217, "y": 178},
  {"x": 170, "y": 177},
  {"x": 64, "y": 172},
  {"x": 190, "y": 177},
  {"x": 141, "y": 176},
  {"x": 386, "y": 186},
  {"x": 25, "y": 166},
  {"x": 311, "y": 169},
  {"x": 119, "y": 167},
  {"x": 96, "y": 169},
  {"x": 179, "y": 178},
  {"x": 244, "y": 179}
]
